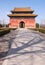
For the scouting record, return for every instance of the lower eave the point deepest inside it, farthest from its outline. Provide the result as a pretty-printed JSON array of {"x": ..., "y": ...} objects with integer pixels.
[{"x": 22, "y": 15}]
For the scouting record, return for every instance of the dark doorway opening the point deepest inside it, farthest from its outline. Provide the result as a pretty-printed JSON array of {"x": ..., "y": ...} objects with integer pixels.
[{"x": 22, "y": 24}]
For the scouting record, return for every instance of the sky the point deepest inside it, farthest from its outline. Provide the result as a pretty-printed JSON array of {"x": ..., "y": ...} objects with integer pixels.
[{"x": 7, "y": 5}]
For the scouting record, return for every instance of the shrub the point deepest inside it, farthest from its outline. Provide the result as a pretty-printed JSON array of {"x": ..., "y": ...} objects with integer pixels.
[
  {"x": 40, "y": 30},
  {"x": 4, "y": 31}
]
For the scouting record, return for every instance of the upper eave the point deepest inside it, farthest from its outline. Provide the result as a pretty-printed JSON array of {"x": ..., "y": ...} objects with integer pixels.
[
  {"x": 16, "y": 15},
  {"x": 26, "y": 9}
]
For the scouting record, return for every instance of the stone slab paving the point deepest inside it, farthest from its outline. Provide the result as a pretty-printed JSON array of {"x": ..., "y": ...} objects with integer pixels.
[{"x": 27, "y": 48}]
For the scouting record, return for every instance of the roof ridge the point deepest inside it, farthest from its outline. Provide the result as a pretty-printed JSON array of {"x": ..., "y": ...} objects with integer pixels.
[{"x": 22, "y": 9}]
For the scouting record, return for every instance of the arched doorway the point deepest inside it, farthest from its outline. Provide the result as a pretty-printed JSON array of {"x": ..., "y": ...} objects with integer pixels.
[{"x": 22, "y": 24}]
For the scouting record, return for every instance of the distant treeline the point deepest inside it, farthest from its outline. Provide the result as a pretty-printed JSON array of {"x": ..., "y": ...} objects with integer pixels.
[{"x": 4, "y": 25}]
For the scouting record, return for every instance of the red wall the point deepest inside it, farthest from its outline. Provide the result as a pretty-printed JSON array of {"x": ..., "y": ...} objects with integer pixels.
[{"x": 29, "y": 22}]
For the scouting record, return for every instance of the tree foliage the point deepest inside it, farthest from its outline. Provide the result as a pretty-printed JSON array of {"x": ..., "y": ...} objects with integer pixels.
[{"x": 37, "y": 25}]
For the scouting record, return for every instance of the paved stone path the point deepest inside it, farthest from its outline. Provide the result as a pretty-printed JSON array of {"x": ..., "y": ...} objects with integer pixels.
[{"x": 27, "y": 48}]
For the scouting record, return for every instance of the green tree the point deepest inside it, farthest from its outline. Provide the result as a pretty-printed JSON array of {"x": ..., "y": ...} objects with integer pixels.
[{"x": 37, "y": 25}]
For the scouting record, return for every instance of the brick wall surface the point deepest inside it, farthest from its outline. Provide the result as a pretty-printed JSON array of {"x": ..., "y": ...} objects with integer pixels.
[{"x": 29, "y": 22}]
